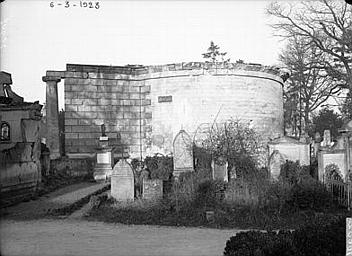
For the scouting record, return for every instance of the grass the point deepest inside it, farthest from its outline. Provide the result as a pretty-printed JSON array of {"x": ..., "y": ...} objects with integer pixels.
[{"x": 225, "y": 216}]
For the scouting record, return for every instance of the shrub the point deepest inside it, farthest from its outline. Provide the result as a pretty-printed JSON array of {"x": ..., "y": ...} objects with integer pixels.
[
  {"x": 243, "y": 192},
  {"x": 160, "y": 166},
  {"x": 310, "y": 194},
  {"x": 289, "y": 172},
  {"x": 256, "y": 243},
  {"x": 275, "y": 197},
  {"x": 205, "y": 195},
  {"x": 246, "y": 167},
  {"x": 196, "y": 188},
  {"x": 316, "y": 238},
  {"x": 320, "y": 239},
  {"x": 202, "y": 158}
]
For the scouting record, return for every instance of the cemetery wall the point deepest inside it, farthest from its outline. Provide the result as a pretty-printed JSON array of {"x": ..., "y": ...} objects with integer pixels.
[{"x": 149, "y": 105}]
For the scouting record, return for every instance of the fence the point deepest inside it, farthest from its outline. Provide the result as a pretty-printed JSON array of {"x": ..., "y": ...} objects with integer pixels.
[{"x": 341, "y": 191}]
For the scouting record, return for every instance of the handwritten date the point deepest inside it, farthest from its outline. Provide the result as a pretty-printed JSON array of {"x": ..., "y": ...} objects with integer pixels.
[{"x": 82, "y": 4}]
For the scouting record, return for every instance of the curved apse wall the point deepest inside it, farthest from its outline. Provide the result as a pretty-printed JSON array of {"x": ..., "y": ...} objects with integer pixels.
[{"x": 190, "y": 100}]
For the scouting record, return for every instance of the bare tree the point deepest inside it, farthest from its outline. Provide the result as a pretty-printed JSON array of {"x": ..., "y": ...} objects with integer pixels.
[
  {"x": 308, "y": 87},
  {"x": 325, "y": 23}
]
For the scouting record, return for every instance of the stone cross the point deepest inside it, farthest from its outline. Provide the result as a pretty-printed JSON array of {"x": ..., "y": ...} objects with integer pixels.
[{"x": 102, "y": 127}]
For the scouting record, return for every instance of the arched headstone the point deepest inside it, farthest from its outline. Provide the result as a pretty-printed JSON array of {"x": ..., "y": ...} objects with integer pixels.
[
  {"x": 183, "y": 154},
  {"x": 275, "y": 162},
  {"x": 122, "y": 181}
]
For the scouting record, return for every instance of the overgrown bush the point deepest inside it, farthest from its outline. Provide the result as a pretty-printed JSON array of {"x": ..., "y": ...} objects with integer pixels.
[
  {"x": 238, "y": 144},
  {"x": 317, "y": 238},
  {"x": 275, "y": 197},
  {"x": 256, "y": 243},
  {"x": 289, "y": 172},
  {"x": 245, "y": 167},
  {"x": 202, "y": 159},
  {"x": 190, "y": 188},
  {"x": 159, "y": 166},
  {"x": 310, "y": 194},
  {"x": 246, "y": 192},
  {"x": 208, "y": 194},
  {"x": 306, "y": 194}
]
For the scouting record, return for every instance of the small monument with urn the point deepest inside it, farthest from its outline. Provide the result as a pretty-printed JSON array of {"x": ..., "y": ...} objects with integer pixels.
[{"x": 104, "y": 158}]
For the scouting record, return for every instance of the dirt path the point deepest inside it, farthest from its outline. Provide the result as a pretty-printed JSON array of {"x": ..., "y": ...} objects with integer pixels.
[
  {"x": 61, "y": 198},
  {"x": 78, "y": 237}
]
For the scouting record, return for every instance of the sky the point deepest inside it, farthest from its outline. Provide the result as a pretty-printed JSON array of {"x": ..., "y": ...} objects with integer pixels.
[{"x": 36, "y": 37}]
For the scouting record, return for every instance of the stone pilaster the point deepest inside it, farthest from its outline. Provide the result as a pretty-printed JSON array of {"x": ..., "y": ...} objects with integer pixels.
[{"x": 52, "y": 116}]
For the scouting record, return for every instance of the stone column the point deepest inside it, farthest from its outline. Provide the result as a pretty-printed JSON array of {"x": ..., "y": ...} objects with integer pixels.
[{"x": 52, "y": 116}]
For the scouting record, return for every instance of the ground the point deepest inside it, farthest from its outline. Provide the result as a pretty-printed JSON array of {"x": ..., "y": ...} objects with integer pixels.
[
  {"x": 26, "y": 229},
  {"x": 79, "y": 237}
]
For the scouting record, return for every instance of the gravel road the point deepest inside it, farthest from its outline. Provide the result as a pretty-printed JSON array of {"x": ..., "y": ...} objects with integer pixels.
[{"x": 80, "y": 237}]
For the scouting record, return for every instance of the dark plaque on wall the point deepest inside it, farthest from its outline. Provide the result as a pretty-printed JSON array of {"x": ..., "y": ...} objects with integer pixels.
[{"x": 165, "y": 99}]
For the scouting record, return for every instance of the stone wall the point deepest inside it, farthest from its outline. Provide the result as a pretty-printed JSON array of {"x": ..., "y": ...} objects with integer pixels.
[
  {"x": 94, "y": 97},
  {"x": 148, "y": 105},
  {"x": 72, "y": 167},
  {"x": 199, "y": 99}
]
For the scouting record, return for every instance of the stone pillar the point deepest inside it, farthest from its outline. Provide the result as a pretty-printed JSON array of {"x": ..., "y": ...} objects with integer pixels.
[{"x": 52, "y": 116}]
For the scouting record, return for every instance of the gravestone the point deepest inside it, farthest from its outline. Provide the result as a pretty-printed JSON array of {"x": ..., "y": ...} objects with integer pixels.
[
  {"x": 275, "y": 162},
  {"x": 348, "y": 236},
  {"x": 336, "y": 158},
  {"x": 152, "y": 189},
  {"x": 104, "y": 158},
  {"x": 183, "y": 154},
  {"x": 326, "y": 139},
  {"x": 219, "y": 170},
  {"x": 122, "y": 181},
  {"x": 338, "y": 154}
]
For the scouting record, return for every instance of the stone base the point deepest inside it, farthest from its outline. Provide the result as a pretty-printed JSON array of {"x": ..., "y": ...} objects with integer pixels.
[
  {"x": 176, "y": 173},
  {"x": 102, "y": 174},
  {"x": 54, "y": 155}
]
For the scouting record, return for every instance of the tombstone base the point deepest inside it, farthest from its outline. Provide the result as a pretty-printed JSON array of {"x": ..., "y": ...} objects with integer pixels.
[
  {"x": 103, "y": 167},
  {"x": 177, "y": 173},
  {"x": 102, "y": 173}
]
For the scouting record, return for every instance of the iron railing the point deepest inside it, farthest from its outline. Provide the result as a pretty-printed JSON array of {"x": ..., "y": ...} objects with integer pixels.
[{"x": 340, "y": 190}]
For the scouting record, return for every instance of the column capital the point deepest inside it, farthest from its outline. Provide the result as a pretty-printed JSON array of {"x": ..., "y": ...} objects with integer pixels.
[{"x": 51, "y": 79}]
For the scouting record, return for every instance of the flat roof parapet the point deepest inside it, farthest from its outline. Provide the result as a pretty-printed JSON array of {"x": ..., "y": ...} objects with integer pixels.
[{"x": 141, "y": 69}]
